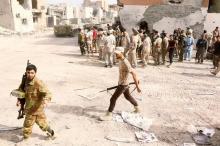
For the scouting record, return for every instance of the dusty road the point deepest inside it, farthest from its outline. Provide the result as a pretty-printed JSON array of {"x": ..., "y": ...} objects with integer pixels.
[{"x": 175, "y": 98}]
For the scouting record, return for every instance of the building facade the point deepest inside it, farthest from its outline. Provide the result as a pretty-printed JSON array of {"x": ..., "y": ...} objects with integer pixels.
[{"x": 23, "y": 15}]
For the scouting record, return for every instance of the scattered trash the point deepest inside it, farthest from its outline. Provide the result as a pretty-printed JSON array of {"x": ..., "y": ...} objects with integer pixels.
[
  {"x": 201, "y": 139},
  {"x": 137, "y": 120},
  {"x": 116, "y": 139},
  {"x": 189, "y": 144},
  {"x": 117, "y": 118},
  {"x": 207, "y": 131},
  {"x": 146, "y": 137}
]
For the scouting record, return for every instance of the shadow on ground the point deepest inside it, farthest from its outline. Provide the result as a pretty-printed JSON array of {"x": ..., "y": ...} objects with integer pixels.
[
  {"x": 77, "y": 110},
  {"x": 16, "y": 135}
]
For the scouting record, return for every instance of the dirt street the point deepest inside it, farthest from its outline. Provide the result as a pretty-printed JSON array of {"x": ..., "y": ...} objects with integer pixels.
[{"x": 176, "y": 98}]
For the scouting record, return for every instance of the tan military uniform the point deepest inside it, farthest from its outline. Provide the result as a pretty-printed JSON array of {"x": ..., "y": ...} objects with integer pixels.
[
  {"x": 35, "y": 94},
  {"x": 165, "y": 44},
  {"x": 124, "y": 70},
  {"x": 146, "y": 50},
  {"x": 157, "y": 50},
  {"x": 125, "y": 43},
  {"x": 132, "y": 58}
]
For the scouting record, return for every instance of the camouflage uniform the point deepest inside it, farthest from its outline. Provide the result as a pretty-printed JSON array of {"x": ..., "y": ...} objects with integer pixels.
[{"x": 35, "y": 94}]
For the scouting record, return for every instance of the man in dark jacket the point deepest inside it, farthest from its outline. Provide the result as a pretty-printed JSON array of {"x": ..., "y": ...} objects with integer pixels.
[
  {"x": 201, "y": 46},
  {"x": 216, "y": 53}
]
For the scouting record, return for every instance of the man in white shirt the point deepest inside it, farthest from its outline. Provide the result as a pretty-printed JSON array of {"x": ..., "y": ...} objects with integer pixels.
[{"x": 110, "y": 43}]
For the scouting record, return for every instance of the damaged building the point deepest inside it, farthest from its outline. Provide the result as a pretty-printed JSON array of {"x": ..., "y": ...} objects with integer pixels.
[
  {"x": 23, "y": 15},
  {"x": 170, "y": 14}
]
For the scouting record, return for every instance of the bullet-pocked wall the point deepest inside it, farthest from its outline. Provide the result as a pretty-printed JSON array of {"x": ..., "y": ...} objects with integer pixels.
[{"x": 165, "y": 14}]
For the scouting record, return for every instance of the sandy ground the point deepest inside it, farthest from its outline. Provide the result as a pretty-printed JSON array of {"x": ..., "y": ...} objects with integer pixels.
[{"x": 175, "y": 98}]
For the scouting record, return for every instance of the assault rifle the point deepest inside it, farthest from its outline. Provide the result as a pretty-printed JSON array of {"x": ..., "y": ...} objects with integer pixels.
[
  {"x": 22, "y": 100},
  {"x": 114, "y": 87}
]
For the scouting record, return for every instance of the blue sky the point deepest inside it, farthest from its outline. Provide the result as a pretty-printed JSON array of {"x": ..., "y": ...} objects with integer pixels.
[{"x": 74, "y": 2}]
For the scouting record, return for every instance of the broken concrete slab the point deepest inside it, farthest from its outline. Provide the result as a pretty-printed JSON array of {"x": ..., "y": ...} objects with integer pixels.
[
  {"x": 137, "y": 120},
  {"x": 145, "y": 137}
]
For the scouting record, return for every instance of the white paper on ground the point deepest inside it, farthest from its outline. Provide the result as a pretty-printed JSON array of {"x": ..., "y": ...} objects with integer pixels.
[
  {"x": 117, "y": 118},
  {"x": 137, "y": 120},
  {"x": 209, "y": 132},
  {"x": 145, "y": 137}
]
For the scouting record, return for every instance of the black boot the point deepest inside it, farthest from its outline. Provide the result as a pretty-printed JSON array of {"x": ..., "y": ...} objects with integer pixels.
[{"x": 50, "y": 132}]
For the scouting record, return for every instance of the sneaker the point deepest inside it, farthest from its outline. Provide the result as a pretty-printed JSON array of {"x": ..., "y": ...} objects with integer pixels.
[
  {"x": 136, "y": 109},
  {"x": 107, "y": 117}
]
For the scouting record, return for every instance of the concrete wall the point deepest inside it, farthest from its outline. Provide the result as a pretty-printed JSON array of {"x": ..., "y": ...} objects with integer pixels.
[
  {"x": 200, "y": 3},
  {"x": 6, "y": 15},
  {"x": 23, "y": 18},
  {"x": 212, "y": 21},
  {"x": 166, "y": 17},
  {"x": 41, "y": 15}
]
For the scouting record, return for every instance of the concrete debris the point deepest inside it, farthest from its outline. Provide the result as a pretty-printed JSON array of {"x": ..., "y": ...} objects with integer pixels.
[
  {"x": 203, "y": 136},
  {"x": 137, "y": 120},
  {"x": 117, "y": 118},
  {"x": 207, "y": 131},
  {"x": 145, "y": 137},
  {"x": 201, "y": 139}
]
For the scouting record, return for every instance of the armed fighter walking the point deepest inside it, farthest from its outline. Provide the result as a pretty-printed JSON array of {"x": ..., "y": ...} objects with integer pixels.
[
  {"x": 123, "y": 85},
  {"x": 36, "y": 98}
]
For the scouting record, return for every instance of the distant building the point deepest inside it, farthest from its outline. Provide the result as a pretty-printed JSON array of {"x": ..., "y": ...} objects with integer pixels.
[
  {"x": 55, "y": 14},
  {"x": 96, "y": 4},
  {"x": 23, "y": 15}
]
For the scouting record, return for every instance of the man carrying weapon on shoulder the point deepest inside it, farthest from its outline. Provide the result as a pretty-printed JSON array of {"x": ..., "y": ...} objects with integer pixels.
[
  {"x": 36, "y": 96},
  {"x": 123, "y": 85},
  {"x": 20, "y": 94}
]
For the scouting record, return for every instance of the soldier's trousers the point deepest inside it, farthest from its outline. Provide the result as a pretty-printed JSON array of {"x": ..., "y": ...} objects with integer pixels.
[
  {"x": 157, "y": 56},
  {"x": 101, "y": 52},
  {"x": 29, "y": 121},
  {"x": 132, "y": 58},
  {"x": 126, "y": 52},
  {"x": 122, "y": 89},
  {"x": 217, "y": 64},
  {"x": 164, "y": 53},
  {"x": 200, "y": 54},
  {"x": 215, "y": 61},
  {"x": 181, "y": 53},
  {"x": 145, "y": 57},
  {"x": 82, "y": 48},
  {"x": 108, "y": 58}
]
